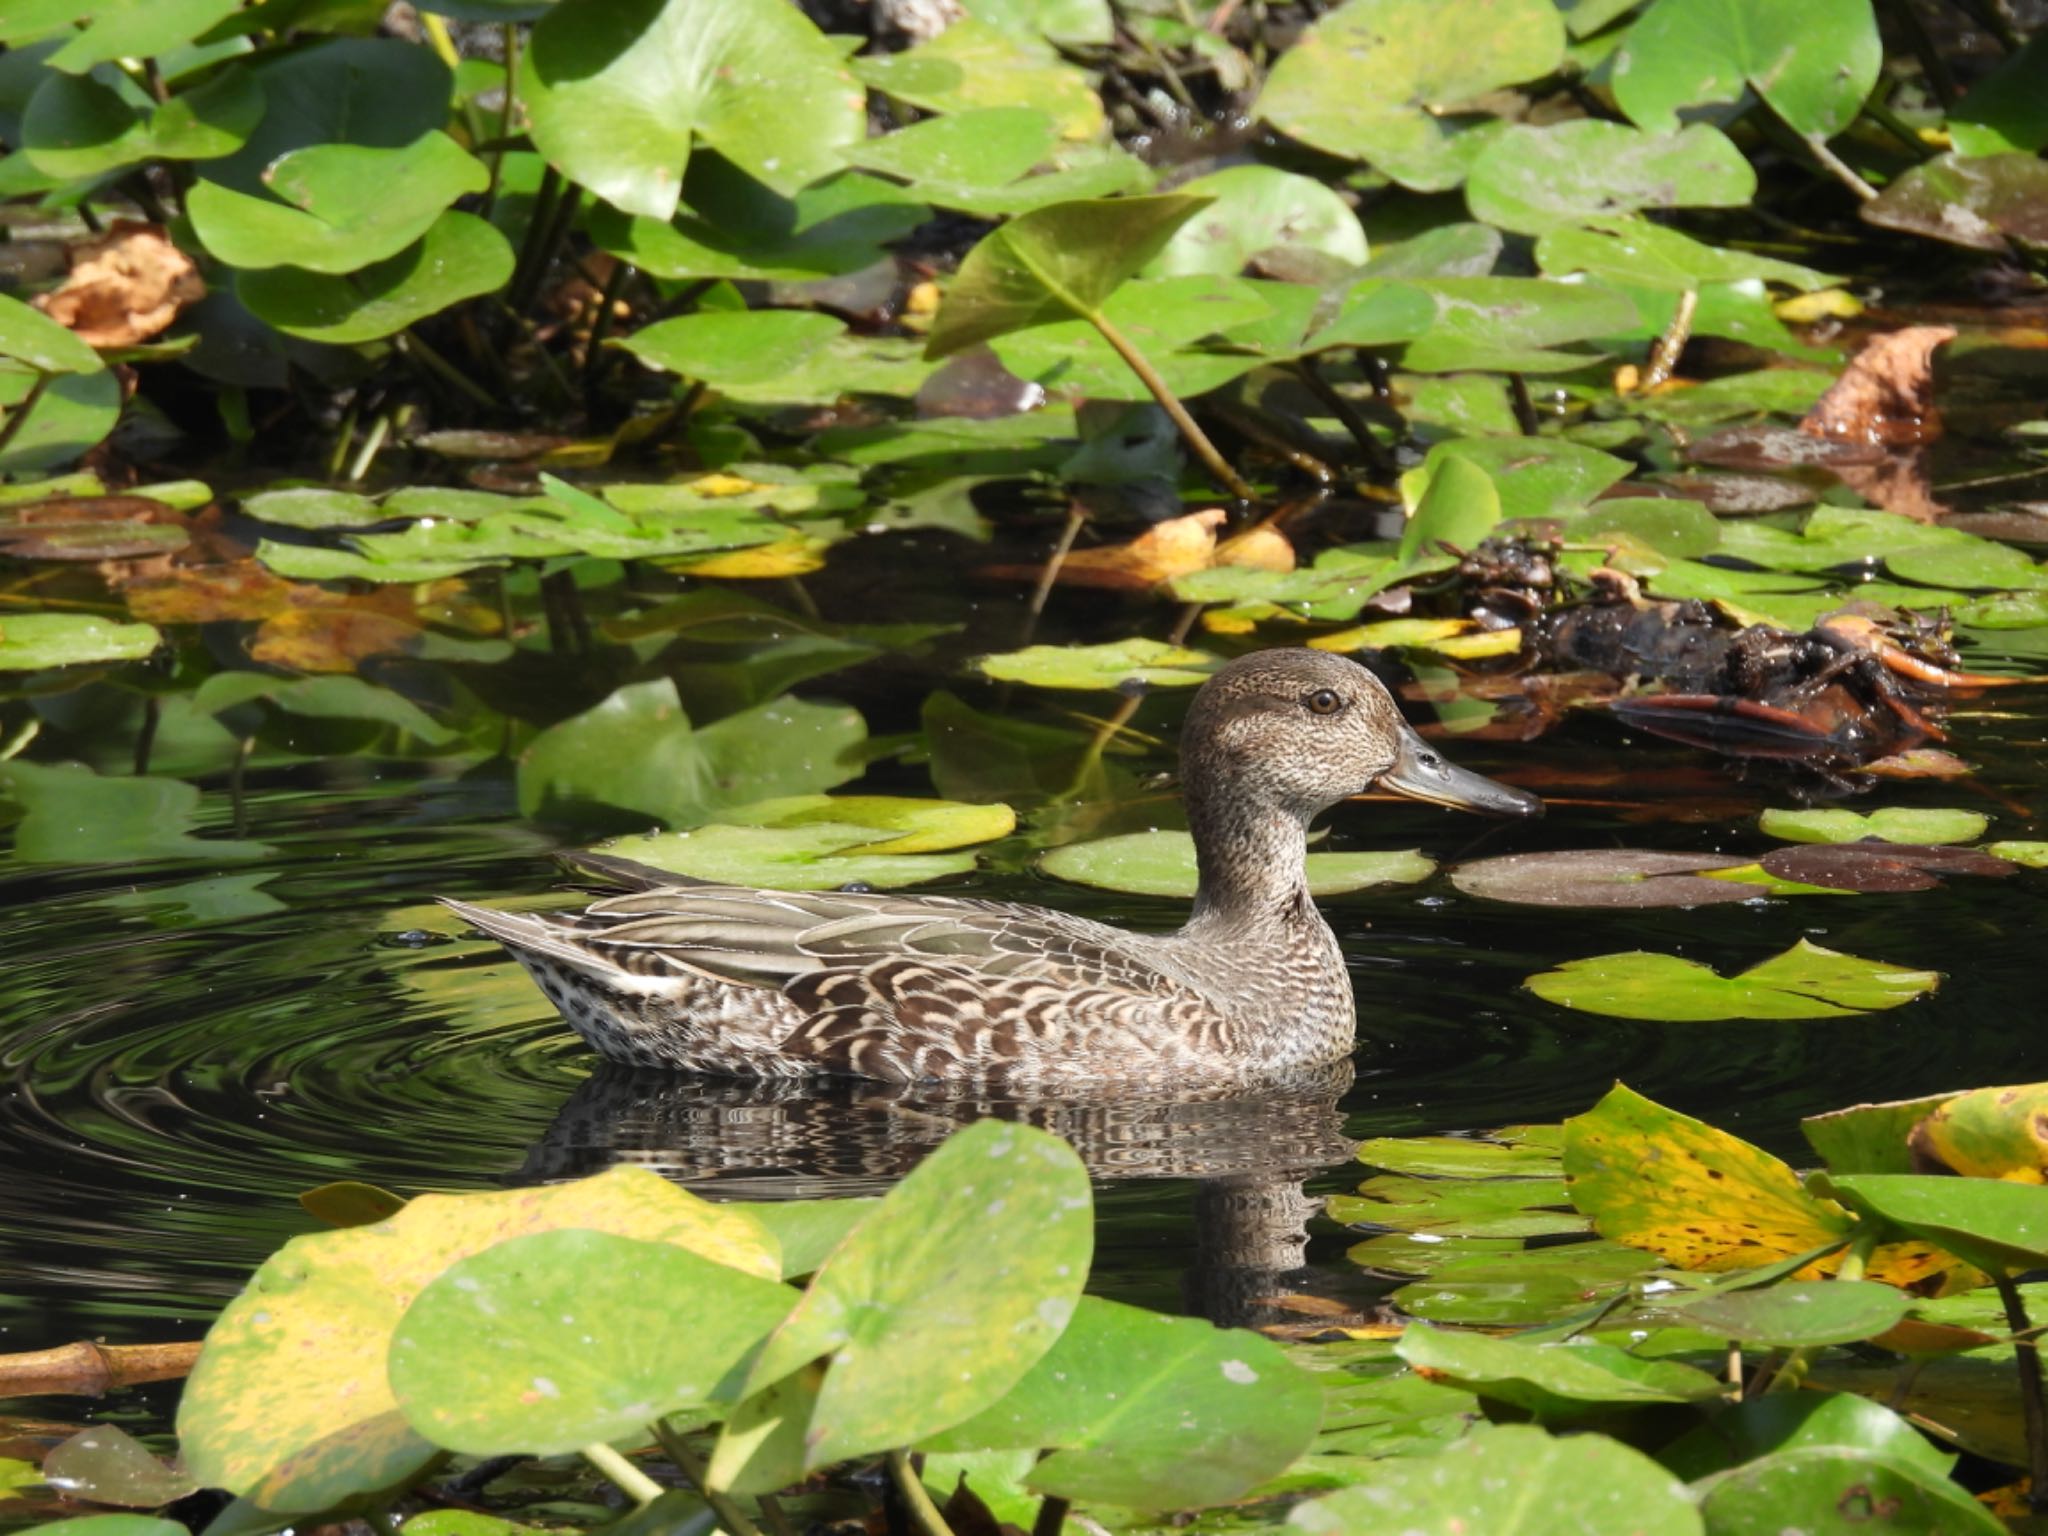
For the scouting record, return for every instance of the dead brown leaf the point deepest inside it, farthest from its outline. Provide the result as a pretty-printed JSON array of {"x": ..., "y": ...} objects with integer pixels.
[
  {"x": 1177, "y": 547},
  {"x": 1886, "y": 394},
  {"x": 1263, "y": 548},
  {"x": 331, "y": 639},
  {"x": 125, "y": 286}
]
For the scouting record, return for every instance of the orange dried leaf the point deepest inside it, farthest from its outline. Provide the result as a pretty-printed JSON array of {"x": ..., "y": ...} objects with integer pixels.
[
  {"x": 1263, "y": 548},
  {"x": 331, "y": 639},
  {"x": 1886, "y": 395},
  {"x": 125, "y": 286}
]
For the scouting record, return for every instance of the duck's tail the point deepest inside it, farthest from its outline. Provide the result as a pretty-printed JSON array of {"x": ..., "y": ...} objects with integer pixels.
[{"x": 528, "y": 935}]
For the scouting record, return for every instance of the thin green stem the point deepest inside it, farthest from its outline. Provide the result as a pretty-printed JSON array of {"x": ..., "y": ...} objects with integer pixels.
[
  {"x": 505, "y": 110},
  {"x": 691, "y": 1465},
  {"x": 635, "y": 1484},
  {"x": 1796, "y": 1364},
  {"x": 373, "y": 442},
  {"x": 410, "y": 344},
  {"x": 1198, "y": 440},
  {"x": 1664, "y": 355},
  {"x": 1348, "y": 416},
  {"x": 924, "y": 1514},
  {"x": 18, "y": 417}
]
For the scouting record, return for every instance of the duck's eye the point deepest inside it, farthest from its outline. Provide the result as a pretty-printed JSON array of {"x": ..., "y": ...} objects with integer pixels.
[{"x": 1324, "y": 701}]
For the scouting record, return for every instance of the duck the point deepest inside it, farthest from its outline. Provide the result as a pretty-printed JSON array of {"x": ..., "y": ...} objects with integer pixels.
[{"x": 915, "y": 988}]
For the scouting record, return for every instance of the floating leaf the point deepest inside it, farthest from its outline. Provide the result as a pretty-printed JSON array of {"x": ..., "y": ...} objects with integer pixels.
[
  {"x": 104, "y": 1464},
  {"x": 1814, "y": 68},
  {"x": 929, "y": 1311},
  {"x": 1891, "y": 824},
  {"x": 1114, "y": 665},
  {"x": 546, "y": 1342},
  {"x": 1535, "y": 476},
  {"x": 1510, "y": 1480},
  {"x": 1368, "y": 80},
  {"x": 72, "y": 815},
  {"x": 1827, "y": 1491},
  {"x": 1163, "y": 864},
  {"x": 1518, "y": 1207},
  {"x": 741, "y": 347},
  {"x": 350, "y": 1203},
  {"x": 1788, "y": 1421},
  {"x": 1798, "y": 1314},
  {"x": 460, "y": 257},
  {"x": 1150, "y": 1411},
  {"x": 1259, "y": 208},
  {"x": 973, "y": 66},
  {"x": 1805, "y": 982},
  {"x": 966, "y": 153},
  {"x": 1534, "y": 1375},
  {"x": 1457, "y": 1156},
  {"x": 1629, "y": 249},
  {"x": 2004, "y": 111},
  {"x": 817, "y": 857},
  {"x": 343, "y": 206},
  {"x": 1533, "y": 179},
  {"x": 1514, "y": 324},
  {"x": 1602, "y": 877},
  {"x": 303, "y": 1437},
  {"x": 1523, "y": 1288},
  {"x": 1878, "y": 866},
  {"x": 619, "y": 91},
  {"x": 1980, "y": 203},
  {"x": 637, "y": 755},
  {"x": 32, "y": 641},
  {"x": 1869, "y": 1138}
]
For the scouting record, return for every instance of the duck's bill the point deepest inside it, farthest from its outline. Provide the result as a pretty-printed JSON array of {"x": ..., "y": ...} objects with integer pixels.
[{"x": 1421, "y": 773}]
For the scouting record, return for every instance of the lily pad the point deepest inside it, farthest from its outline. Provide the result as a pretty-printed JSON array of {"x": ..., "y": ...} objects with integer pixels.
[
  {"x": 460, "y": 257},
  {"x": 1532, "y": 1375},
  {"x": 964, "y": 153},
  {"x": 1602, "y": 877},
  {"x": 1453, "y": 1208},
  {"x": 1798, "y": 1421},
  {"x": 29, "y": 336},
  {"x": 337, "y": 207},
  {"x": 637, "y": 755},
  {"x": 1805, "y": 982},
  {"x": 1369, "y": 80},
  {"x": 1879, "y": 866},
  {"x": 554, "y": 1340},
  {"x": 1891, "y": 824},
  {"x": 1151, "y": 1412},
  {"x": 742, "y": 347},
  {"x": 1533, "y": 179},
  {"x": 31, "y": 641},
  {"x": 1535, "y": 477},
  {"x": 1259, "y": 208},
  {"x": 1163, "y": 864},
  {"x": 1523, "y": 1289},
  {"x": 1814, "y": 67},
  {"x": 1869, "y": 1138},
  {"x": 1999, "y": 1226},
  {"x": 1457, "y": 1156},
  {"x": 72, "y": 815},
  {"x": 1629, "y": 249},
  {"x": 619, "y": 91},
  {"x": 1989, "y": 1133},
  {"x": 1798, "y": 1314},
  {"x": 1119, "y": 664},
  {"x": 973, "y": 66},
  {"x": 1514, "y": 324},
  {"x": 1980, "y": 203},
  {"x": 929, "y": 1310},
  {"x": 808, "y": 1230},
  {"x": 816, "y": 857},
  {"x": 1830, "y": 1491},
  {"x": 1510, "y": 1480},
  {"x": 104, "y": 1464},
  {"x": 304, "y": 1437}
]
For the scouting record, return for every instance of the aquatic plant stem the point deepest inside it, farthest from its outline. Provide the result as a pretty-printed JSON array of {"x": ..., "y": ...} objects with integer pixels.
[
  {"x": 637, "y": 1485},
  {"x": 1051, "y": 574},
  {"x": 1376, "y": 457},
  {"x": 1052, "y": 1516},
  {"x": 1663, "y": 361},
  {"x": 373, "y": 444},
  {"x": 18, "y": 417},
  {"x": 924, "y": 1514},
  {"x": 1792, "y": 1371},
  {"x": 730, "y": 1515},
  {"x": 2033, "y": 1410},
  {"x": 1198, "y": 440}
]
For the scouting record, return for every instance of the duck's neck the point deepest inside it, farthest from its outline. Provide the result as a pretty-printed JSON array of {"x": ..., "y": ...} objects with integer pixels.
[{"x": 1251, "y": 855}]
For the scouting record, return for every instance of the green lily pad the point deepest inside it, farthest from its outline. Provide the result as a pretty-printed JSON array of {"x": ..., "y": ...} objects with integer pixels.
[
  {"x": 1892, "y": 824},
  {"x": 1163, "y": 864},
  {"x": 2028, "y": 854},
  {"x": 1870, "y": 1138},
  {"x": 31, "y": 337},
  {"x": 1798, "y": 1314},
  {"x": 1805, "y": 982},
  {"x": 109, "y": 1525},
  {"x": 1513, "y": 324},
  {"x": 72, "y": 815},
  {"x": 1670, "y": 525},
  {"x": 343, "y": 206},
  {"x": 301, "y": 1438},
  {"x": 1629, "y": 249},
  {"x": 1832, "y": 1491},
  {"x": 619, "y": 91},
  {"x": 2005, "y": 111},
  {"x": 1525, "y": 1288},
  {"x": 1510, "y": 1480},
  {"x": 1057, "y": 263},
  {"x": 1457, "y": 1157},
  {"x": 557, "y": 1339},
  {"x": 1112, "y": 665},
  {"x": 1533, "y": 179},
  {"x": 315, "y": 506},
  {"x": 321, "y": 698},
  {"x": 965, "y": 153},
  {"x": 742, "y": 347},
  {"x": 1493, "y": 1207},
  {"x": 310, "y": 562},
  {"x": 821, "y": 857},
  {"x": 1536, "y": 1376},
  {"x": 1535, "y": 477},
  {"x": 808, "y": 1230},
  {"x": 460, "y": 257},
  {"x": 114, "y": 29},
  {"x": 1369, "y": 80},
  {"x": 1260, "y": 208},
  {"x": 1997, "y": 1225},
  {"x": 929, "y": 1310},
  {"x": 733, "y": 226},
  {"x": 1159, "y": 315},
  {"x": 104, "y": 1464},
  {"x": 1814, "y": 67},
  {"x": 1151, "y": 1412},
  {"x": 78, "y": 126},
  {"x": 1789, "y": 1421},
  {"x": 31, "y": 641},
  {"x": 1075, "y": 22},
  {"x": 636, "y": 755},
  {"x": 974, "y": 66}
]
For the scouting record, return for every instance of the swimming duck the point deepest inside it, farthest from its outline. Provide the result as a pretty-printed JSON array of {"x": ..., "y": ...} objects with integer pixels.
[{"x": 901, "y": 988}]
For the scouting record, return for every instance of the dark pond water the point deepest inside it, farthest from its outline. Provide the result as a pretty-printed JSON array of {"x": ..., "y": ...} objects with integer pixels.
[{"x": 184, "y": 1050}]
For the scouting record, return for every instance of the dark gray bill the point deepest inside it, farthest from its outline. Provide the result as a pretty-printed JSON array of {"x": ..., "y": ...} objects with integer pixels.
[{"x": 1421, "y": 773}]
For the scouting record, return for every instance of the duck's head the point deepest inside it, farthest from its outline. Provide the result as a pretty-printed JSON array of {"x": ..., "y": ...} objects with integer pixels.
[{"x": 1303, "y": 729}]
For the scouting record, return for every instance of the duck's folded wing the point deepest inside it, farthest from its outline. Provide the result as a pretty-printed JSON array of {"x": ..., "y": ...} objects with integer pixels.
[{"x": 773, "y": 938}]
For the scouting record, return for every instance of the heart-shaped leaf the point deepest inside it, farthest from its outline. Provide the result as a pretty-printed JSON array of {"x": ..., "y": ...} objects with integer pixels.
[
  {"x": 1163, "y": 864},
  {"x": 1805, "y": 982},
  {"x": 1814, "y": 66},
  {"x": 1534, "y": 179},
  {"x": 460, "y": 257}
]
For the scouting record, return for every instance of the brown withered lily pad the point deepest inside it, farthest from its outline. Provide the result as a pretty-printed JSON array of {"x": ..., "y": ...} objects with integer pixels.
[
  {"x": 1603, "y": 877},
  {"x": 1877, "y": 866},
  {"x": 1981, "y": 203},
  {"x": 1738, "y": 493},
  {"x": 1886, "y": 395},
  {"x": 90, "y": 528},
  {"x": 1762, "y": 447},
  {"x": 124, "y": 286}
]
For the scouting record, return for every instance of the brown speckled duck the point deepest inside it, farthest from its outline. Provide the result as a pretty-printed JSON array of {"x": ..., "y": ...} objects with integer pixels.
[{"x": 755, "y": 983}]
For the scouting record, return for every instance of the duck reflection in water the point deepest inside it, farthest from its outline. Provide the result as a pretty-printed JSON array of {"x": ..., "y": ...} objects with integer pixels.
[{"x": 1247, "y": 1151}]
